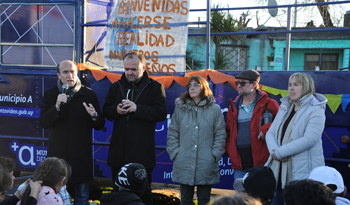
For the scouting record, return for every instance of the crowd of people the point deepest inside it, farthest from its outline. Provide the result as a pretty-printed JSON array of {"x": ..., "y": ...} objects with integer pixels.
[{"x": 275, "y": 150}]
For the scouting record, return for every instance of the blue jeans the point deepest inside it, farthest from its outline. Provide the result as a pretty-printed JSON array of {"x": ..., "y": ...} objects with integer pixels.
[
  {"x": 239, "y": 173},
  {"x": 81, "y": 195},
  {"x": 279, "y": 199},
  {"x": 187, "y": 192}
]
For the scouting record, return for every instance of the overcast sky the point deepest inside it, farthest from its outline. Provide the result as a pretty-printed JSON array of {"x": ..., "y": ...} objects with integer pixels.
[{"x": 304, "y": 15}]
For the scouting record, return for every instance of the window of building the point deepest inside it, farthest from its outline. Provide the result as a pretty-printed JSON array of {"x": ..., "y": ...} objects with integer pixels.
[
  {"x": 40, "y": 35},
  {"x": 233, "y": 57},
  {"x": 328, "y": 62}
]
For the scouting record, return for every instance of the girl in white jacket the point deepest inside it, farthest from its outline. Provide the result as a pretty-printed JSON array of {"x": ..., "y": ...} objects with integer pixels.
[{"x": 294, "y": 138}]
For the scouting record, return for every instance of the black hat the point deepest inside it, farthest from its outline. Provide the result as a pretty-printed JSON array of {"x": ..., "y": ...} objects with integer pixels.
[
  {"x": 257, "y": 182},
  {"x": 249, "y": 75},
  {"x": 131, "y": 177}
]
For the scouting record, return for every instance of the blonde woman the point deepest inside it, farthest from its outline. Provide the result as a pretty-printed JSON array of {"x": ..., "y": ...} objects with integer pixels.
[{"x": 294, "y": 138}]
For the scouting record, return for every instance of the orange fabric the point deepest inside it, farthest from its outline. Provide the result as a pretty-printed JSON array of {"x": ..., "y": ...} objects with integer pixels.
[
  {"x": 216, "y": 76},
  {"x": 100, "y": 74}
]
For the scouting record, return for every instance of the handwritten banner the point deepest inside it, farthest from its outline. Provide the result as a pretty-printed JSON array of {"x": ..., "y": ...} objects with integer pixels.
[{"x": 155, "y": 28}]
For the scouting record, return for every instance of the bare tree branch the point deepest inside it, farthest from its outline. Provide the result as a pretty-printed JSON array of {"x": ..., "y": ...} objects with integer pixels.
[{"x": 325, "y": 14}]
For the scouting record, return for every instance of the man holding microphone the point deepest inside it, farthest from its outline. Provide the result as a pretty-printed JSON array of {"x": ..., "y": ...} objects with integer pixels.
[{"x": 70, "y": 111}]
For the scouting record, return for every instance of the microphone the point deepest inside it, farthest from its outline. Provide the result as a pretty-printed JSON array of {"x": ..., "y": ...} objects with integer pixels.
[{"x": 64, "y": 91}]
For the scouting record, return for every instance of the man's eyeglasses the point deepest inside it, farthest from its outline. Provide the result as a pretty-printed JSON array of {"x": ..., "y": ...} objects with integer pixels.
[
  {"x": 195, "y": 85},
  {"x": 242, "y": 83}
]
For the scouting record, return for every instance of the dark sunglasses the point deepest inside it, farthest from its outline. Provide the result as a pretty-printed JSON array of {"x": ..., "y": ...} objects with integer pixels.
[{"x": 242, "y": 83}]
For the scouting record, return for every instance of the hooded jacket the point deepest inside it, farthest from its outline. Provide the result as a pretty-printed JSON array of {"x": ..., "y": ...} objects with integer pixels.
[
  {"x": 260, "y": 153},
  {"x": 305, "y": 146},
  {"x": 120, "y": 198},
  {"x": 196, "y": 142}
]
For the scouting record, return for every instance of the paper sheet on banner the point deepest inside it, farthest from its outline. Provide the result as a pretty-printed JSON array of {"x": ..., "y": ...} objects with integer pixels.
[{"x": 167, "y": 56}]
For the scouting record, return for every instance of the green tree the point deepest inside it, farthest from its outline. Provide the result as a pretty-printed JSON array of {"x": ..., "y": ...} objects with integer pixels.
[
  {"x": 222, "y": 22},
  {"x": 191, "y": 63},
  {"x": 221, "y": 61}
]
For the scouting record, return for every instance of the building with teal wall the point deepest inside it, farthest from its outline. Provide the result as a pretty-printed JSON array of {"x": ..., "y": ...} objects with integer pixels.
[{"x": 305, "y": 50}]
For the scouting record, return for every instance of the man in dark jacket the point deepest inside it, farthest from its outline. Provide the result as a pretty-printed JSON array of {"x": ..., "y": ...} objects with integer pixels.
[
  {"x": 245, "y": 143},
  {"x": 135, "y": 103},
  {"x": 129, "y": 185},
  {"x": 70, "y": 117}
]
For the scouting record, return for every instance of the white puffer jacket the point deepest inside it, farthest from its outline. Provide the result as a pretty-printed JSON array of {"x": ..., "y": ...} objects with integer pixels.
[{"x": 305, "y": 146}]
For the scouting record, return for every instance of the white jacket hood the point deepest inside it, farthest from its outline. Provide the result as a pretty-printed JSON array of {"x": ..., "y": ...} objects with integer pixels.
[{"x": 318, "y": 100}]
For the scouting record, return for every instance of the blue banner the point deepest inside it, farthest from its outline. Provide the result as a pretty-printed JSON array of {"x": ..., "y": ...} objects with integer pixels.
[{"x": 19, "y": 112}]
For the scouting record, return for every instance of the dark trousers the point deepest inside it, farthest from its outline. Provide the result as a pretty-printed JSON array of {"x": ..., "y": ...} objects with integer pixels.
[
  {"x": 147, "y": 195},
  {"x": 278, "y": 199},
  {"x": 187, "y": 192}
]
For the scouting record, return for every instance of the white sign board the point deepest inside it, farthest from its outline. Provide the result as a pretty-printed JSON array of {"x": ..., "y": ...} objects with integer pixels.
[{"x": 156, "y": 28}]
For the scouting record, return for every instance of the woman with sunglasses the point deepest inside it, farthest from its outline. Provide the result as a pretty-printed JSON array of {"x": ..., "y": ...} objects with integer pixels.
[
  {"x": 196, "y": 141},
  {"x": 294, "y": 138}
]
